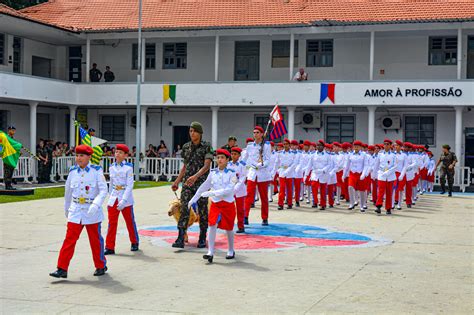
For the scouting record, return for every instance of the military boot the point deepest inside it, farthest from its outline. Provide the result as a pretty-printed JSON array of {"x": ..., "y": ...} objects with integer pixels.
[
  {"x": 202, "y": 238},
  {"x": 179, "y": 243}
]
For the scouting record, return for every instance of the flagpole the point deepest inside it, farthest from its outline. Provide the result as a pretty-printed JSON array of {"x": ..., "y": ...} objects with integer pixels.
[{"x": 139, "y": 79}]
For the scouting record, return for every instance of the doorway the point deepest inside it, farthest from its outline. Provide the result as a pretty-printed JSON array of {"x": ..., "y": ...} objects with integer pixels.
[
  {"x": 180, "y": 136},
  {"x": 75, "y": 64},
  {"x": 470, "y": 57},
  {"x": 469, "y": 147},
  {"x": 247, "y": 60},
  {"x": 41, "y": 67}
]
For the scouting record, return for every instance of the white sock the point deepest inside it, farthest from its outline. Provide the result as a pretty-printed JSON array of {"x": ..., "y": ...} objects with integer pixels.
[
  {"x": 352, "y": 196},
  {"x": 338, "y": 194},
  {"x": 212, "y": 239},
  {"x": 400, "y": 199},
  {"x": 230, "y": 242},
  {"x": 363, "y": 199}
]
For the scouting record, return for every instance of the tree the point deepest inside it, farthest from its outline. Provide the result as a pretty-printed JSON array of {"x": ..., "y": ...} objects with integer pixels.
[{"x": 20, "y": 4}]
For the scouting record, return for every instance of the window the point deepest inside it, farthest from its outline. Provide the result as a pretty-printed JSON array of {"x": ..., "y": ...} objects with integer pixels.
[
  {"x": 113, "y": 128},
  {"x": 150, "y": 56},
  {"x": 2, "y": 49},
  {"x": 175, "y": 55},
  {"x": 281, "y": 53},
  {"x": 443, "y": 51},
  {"x": 17, "y": 54},
  {"x": 3, "y": 119},
  {"x": 340, "y": 128},
  {"x": 319, "y": 53},
  {"x": 420, "y": 129}
]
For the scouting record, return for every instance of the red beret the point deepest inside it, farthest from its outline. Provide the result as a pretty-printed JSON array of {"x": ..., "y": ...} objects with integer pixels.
[
  {"x": 301, "y": 146},
  {"x": 223, "y": 151},
  {"x": 313, "y": 144},
  {"x": 365, "y": 145},
  {"x": 336, "y": 144},
  {"x": 399, "y": 142},
  {"x": 122, "y": 147},
  {"x": 295, "y": 142},
  {"x": 408, "y": 144},
  {"x": 371, "y": 147},
  {"x": 249, "y": 140},
  {"x": 306, "y": 142},
  {"x": 430, "y": 153},
  {"x": 259, "y": 129},
  {"x": 236, "y": 149},
  {"x": 280, "y": 145},
  {"x": 386, "y": 140},
  {"x": 287, "y": 140},
  {"x": 328, "y": 145},
  {"x": 272, "y": 143},
  {"x": 321, "y": 141},
  {"x": 84, "y": 149},
  {"x": 357, "y": 142},
  {"x": 380, "y": 146}
]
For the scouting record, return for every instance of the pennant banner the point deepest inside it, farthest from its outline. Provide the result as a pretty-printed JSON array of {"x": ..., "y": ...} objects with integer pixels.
[
  {"x": 169, "y": 93},
  {"x": 279, "y": 128},
  {"x": 327, "y": 92}
]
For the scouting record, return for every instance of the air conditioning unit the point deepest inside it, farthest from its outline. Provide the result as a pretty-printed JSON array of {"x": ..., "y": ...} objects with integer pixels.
[
  {"x": 391, "y": 122},
  {"x": 311, "y": 119}
]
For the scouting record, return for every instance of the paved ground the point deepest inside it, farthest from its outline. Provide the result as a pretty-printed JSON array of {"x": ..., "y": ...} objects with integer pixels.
[{"x": 427, "y": 269}]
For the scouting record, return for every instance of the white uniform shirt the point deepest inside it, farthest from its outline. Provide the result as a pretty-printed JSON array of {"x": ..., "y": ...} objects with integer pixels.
[
  {"x": 85, "y": 187},
  {"x": 305, "y": 163},
  {"x": 240, "y": 169},
  {"x": 339, "y": 161},
  {"x": 332, "y": 172},
  {"x": 220, "y": 183},
  {"x": 411, "y": 166},
  {"x": 121, "y": 183},
  {"x": 372, "y": 162},
  {"x": 355, "y": 163},
  {"x": 387, "y": 166},
  {"x": 272, "y": 166},
  {"x": 401, "y": 162},
  {"x": 259, "y": 171},
  {"x": 321, "y": 164},
  {"x": 431, "y": 166},
  {"x": 285, "y": 161},
  {"x": 298, "y": 168},
  {"x": 426, "y": 160}
]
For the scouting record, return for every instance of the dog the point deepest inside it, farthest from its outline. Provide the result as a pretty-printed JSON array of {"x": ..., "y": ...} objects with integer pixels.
[{"x": 175, "y": 206}]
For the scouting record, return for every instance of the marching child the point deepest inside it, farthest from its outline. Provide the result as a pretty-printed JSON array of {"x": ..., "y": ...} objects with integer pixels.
[
  {"x": 240, "y": 169},
  {"x": 219, "y": 186},
  {"x": 121, "y": 200}
]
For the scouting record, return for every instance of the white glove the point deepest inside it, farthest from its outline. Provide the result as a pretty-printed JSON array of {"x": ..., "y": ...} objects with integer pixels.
[
  {"x": 362, "y": 177},
  {"x": 92, "y": 209},
  {"x": 121, "y": 205},
  {"x": 66, "y": 213},
  {"x": 208, "y": 194},
  {"x": 191, "y": 203},
  {"x": 400, "y": 178}
]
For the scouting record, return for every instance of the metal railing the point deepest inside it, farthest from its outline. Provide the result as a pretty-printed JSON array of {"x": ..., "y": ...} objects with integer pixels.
[{"x": 155, "y": 168}]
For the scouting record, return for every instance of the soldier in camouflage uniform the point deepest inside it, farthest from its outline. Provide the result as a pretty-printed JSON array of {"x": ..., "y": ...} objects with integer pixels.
[
  {"x": 448, "y": 161},
  {"x": 197, "y": 155},
  {"x": 232, "y": 142}
]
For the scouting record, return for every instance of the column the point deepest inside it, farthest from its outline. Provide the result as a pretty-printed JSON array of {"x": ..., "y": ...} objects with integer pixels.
[
  {"x": 88, "y": 59},
  {"x": 372, "y": 51},
  {"x": 215, "y": 117},
  {"x": 459, "y": 53},
  {"x": 72, "y": 128},
  {"x": 216, "y": 59},
  {"x": 291, "y": 122},
  {"x": 143, "y": 129},
  {"x": 292, "y": 55},
  {"x": 371, "y": 121},
  {"x": 143, "y": 52},
  {"x": 458, "y": 135},
  {"x": 33, "y": 110}
]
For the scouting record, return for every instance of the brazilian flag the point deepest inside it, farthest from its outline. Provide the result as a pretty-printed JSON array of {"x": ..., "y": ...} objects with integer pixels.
[{"x": 9, "y": 149}]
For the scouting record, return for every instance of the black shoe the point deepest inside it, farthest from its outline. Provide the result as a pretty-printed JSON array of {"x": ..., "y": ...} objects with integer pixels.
[
  {"x": 322, "y": 208},
  {"x": 109, "y": 252},
  {"x": 314, "y": 206},
  {"x": 60, "y": 273},
  {"x": 351, "y": 208},
  {"x": 331, "y": 206},
  {"x": 290, "y": 207},
  {"x": 364, "y": 207},
  {"x": 408, "y": 206},
  {"x": 208, "y": 257},
  {"x": 179, "y": 243},
  {"x": 134, "y": 247},
  {"x": 100, "y": 271},
  {"x": 252, "y": 205},
  {"x": 265, "y": 222},
  {"x": 297, "y": 204},
  {"x": 362, "y": 210},
  {"x": 230, "y": 257},
  {"x": 378, "y": 209},
  {"x": 280, "y": 207},
  {"x": 442, "y": 192},
  {"x": 450, "y": 194},
  {"x": 240, "y": 231},
  {"x": 246, "y": 221},
  {"x": 389, "y": 212},
  {"x": 202, "y": 239}
]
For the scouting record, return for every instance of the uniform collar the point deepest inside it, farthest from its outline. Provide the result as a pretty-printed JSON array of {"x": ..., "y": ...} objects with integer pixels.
[{"x": 87, "y": 168}]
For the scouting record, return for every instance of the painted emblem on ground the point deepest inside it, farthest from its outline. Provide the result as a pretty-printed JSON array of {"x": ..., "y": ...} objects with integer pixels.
[{"x": 273, "y": 237}]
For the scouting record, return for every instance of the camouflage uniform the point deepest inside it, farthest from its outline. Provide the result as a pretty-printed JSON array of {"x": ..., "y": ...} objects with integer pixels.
[
  {"x": 446, "y": 160},
  {"x": 194, "y": 157}
]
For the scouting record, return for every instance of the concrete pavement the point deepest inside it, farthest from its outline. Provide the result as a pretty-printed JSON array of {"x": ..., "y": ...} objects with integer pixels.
[{"x": 427, "y": 269}]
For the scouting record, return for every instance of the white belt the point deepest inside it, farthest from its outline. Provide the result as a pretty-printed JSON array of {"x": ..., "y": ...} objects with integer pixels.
[{"x": 82, "y": 200}]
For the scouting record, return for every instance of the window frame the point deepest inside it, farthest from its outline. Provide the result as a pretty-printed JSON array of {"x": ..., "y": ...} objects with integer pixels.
[
  {"x": 410, "y": 139},
  {"x": 4, "y": 116},
  {"x": 443, "y": 50},
  {"x": 339, "y": 137},
  {"x": 319, "y": 54},
  {"x": 112, "y": 138},
  {"x": 3, "y": 40},
  {"x": 135, "y": 56},
  {"x": 295, "y": 57},
  {"x": 175, "y": 56}
]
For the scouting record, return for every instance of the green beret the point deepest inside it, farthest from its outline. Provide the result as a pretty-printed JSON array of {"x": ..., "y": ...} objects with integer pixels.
[
  {"x": 446, "y": 146},
  {"x": 232, "y": 138},
  {"x": 197, "y": 127}
]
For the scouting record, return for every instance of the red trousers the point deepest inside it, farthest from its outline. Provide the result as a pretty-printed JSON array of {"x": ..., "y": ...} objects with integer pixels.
[
  {"x": 286, "y": 189},
  {"x": 95, "y": 240},
  {"x": 129, "y": 218},
  {"x": 400, "y": 184},
  {"x": 315, "y": 186},
  {"x": 385, "y": 188},
  {"x": 240, "y": 206},
  {"x": 374, "y": 190},
  {"x": 262, "y": 191},
  {"x": 298, "y": 182},
  {"x": 331, "y": 189},
  {"x": 345, "y": 188},
  {"x": 275, "y": 184},
  {"x": 409, "y": 192}
]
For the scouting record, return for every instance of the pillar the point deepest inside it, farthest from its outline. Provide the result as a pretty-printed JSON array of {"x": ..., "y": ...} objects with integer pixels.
[
  {"x": 215, "y": 117},
  {"x": 88, "y": 59},
  {"x": 458, "y": 135},
  {"x": 33, "y": 110},
  {"x": 143, "y": 130},
  {"x": 459, "y": 55},
  {"x": 291, "y": 122},
  {"x": 372, "y": 52},
  {"x": 292, "y": 55},
  {"x": 216, "y": 59},
  {"x": 72, "y": 128},
  {"x": 371, "y": 121}
]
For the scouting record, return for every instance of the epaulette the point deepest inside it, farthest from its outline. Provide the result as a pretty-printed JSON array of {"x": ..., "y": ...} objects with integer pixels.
[
  {"x": 243, "y": 163},
  {"x": 267, "y": 142},
  {"x": 129, "y": 164},
  {"x": 226, "y": 170},
  {"x": 96, "y": 167},
  {"x": 72, "y": 168}
]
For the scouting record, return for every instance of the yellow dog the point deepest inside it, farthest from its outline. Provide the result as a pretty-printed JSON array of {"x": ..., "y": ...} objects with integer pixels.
[{"x": 175, "y": 206}]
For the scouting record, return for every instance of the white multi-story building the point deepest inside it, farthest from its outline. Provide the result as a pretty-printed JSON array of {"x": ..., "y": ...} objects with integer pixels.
[{"x": 398, "y": 69}]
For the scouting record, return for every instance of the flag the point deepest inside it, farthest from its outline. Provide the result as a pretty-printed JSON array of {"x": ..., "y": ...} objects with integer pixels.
[
  {"x": 9, "y": 149},
  {"x": 93, "y": 142},
  {"x": 327, "y": 91},
  {"x": 279, "y": 128},
  {"x": 169, "y": 93},
  {"x": 83, "y": 134},
  {"x": 96, "y": 155}
]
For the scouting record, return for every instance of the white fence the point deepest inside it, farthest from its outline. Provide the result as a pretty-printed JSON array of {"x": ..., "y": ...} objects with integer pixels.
[{"x": 156, "y": 168}]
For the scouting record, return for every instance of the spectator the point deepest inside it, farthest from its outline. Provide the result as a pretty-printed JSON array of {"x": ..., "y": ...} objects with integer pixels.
[
  {"x": 231, "y": 142},
  {"x": 42, "y": 153},
  {"x": 95, "y": 74},
  {"x": 151, "y": 152},
  {"x": 300, "y": 75},
  {"x": 177, "y": 153},
  {"x": 67, "y": 151},
  {"x": 134, "y": 150},
  {"x": 108, "y": 75},
  {"x": 163, "y": 150},
  {"x": 58, "y": 150}
]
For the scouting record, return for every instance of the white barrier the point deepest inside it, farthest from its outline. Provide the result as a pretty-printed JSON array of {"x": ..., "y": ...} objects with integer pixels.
[
  {"x": 462, "y": 177},
  {"x": 24, "y": 170}
]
